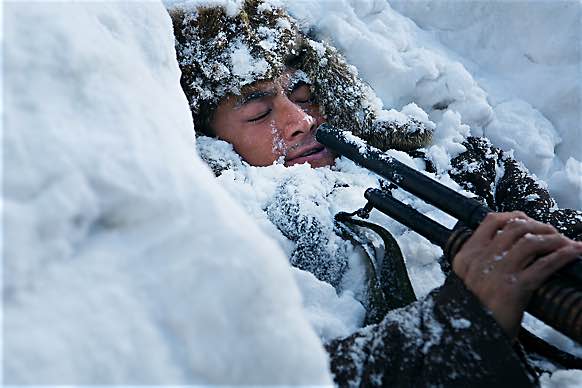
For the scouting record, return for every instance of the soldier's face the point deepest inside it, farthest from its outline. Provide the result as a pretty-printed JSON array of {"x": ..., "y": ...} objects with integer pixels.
[{"x": 273, "y": 121}]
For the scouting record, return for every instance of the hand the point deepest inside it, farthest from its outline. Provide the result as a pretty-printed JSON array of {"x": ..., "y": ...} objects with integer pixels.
[{"x": 498, "y": 263}]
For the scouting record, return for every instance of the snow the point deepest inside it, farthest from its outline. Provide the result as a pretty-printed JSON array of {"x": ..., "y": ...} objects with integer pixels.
[
  {"x": 244, "y": 65},
  {"x": 485, "y": 61},
  {"x": 535, "y": 59},
  {"x": 127, "y": 262},
  {"x": 562, "y": 379}
]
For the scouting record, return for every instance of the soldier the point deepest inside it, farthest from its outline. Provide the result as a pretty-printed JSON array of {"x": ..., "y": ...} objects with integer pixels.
[{"x": 254, "y": 80}]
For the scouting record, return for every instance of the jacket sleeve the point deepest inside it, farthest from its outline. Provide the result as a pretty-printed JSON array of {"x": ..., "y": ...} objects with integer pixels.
[
  {"x": 446, "y": 339},
  {"x": 506, "y": 185}
]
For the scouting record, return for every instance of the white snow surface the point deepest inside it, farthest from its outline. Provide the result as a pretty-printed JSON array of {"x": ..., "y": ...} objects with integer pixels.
[
  {"x": 511, "y": 69},
  {"x": 126, "y": 262}
]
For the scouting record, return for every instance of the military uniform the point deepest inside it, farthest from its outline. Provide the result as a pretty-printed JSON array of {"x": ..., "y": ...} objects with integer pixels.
[{"x": 445, "y": 339}]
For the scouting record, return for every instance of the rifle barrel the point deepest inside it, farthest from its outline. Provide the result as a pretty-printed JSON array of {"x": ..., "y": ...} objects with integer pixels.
[
  {"x": 467, "y": 210},
  {"x": 408, "y": 216}
]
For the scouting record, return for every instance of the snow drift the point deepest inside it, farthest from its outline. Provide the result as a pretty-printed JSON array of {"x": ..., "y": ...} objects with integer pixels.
[
  {"x": 511, "y": 69},
  {"x": 125, "y": 262}
]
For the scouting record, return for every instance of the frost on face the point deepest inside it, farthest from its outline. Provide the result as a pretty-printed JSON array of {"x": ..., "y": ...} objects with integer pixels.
[
  {"x": 309, "y": 120},
  {"x": 279, "y": 145}
]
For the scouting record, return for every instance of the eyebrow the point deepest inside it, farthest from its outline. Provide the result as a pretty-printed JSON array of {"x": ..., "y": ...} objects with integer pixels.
[{"x": 253, "y": 95}]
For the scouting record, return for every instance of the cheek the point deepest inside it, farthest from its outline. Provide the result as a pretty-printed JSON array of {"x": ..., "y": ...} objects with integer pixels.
[
  {"x": 278, "y": 145},
  {"x": 260, "y": 146},
  {"x": 256, "y": 144}
]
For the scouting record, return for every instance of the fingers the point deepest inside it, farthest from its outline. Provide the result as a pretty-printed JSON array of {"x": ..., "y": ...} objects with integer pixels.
[
  {"x": 530, "y": 246},
  {"x": 494, "y": 222},
  {"x": 516, "y": 228},
  {"x": 480, "y": 242},
  {"x": 498, "y": 263},
  {"x": 537, "y": 273}
]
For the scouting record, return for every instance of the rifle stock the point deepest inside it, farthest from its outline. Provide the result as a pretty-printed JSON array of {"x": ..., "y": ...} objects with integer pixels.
[{"x": 558, "y": 302}]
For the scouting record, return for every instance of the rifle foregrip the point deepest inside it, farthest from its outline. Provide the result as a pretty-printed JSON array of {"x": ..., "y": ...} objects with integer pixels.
[{"x": 558, "y": 303}]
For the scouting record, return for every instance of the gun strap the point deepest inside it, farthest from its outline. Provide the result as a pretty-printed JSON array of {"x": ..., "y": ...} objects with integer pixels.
[{"x": 389, "y": 286}]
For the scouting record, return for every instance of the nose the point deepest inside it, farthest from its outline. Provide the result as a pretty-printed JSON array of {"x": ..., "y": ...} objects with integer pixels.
[{"x": 294, "y": 121}]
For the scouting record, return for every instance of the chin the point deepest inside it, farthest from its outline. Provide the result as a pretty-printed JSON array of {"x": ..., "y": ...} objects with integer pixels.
[{"x": 322, "y": 162}]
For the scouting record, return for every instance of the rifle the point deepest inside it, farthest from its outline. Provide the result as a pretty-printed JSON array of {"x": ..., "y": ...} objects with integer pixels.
[{"x": 558, "y": 302}]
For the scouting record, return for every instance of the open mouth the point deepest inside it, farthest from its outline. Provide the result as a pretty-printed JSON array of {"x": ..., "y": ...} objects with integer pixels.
[{"x": 314, "y": 154}]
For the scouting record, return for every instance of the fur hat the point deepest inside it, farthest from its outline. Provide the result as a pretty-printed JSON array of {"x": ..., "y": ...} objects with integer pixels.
[{"x": 219, "y": 53}]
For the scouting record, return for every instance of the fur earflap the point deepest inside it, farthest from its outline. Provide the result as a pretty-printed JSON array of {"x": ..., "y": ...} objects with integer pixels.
[
  {"x": 351, "y": 104},
  {"x": 219, "y": 54}
]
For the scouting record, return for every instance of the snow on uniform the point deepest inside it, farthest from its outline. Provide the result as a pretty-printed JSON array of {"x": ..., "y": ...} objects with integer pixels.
[
  {"x": 446, "y": 338},
  {"x": 506, "y": 185}
]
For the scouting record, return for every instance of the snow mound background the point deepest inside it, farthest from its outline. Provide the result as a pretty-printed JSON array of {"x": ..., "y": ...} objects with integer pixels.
[
  {"x": 124, "y": 261},
  {"x": 511, "y": 69}
]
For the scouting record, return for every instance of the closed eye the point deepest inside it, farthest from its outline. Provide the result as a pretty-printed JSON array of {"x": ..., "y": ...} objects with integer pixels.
[
  {"x": 303, "y": 101},
  {"x": 301, "y": 93},
  {"x": 259, "y": 117}
]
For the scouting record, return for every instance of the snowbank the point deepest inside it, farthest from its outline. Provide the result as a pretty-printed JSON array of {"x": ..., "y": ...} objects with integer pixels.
[
  {"x": 530, "y": 68},
  {"x": 124, "y": 261},
  {"x": 512, "y": 78},
  {"x": 413, "y": 70}
]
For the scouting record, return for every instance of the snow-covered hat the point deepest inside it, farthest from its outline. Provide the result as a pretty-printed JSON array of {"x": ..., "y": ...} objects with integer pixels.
[{"x": 220, "y": 49}]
